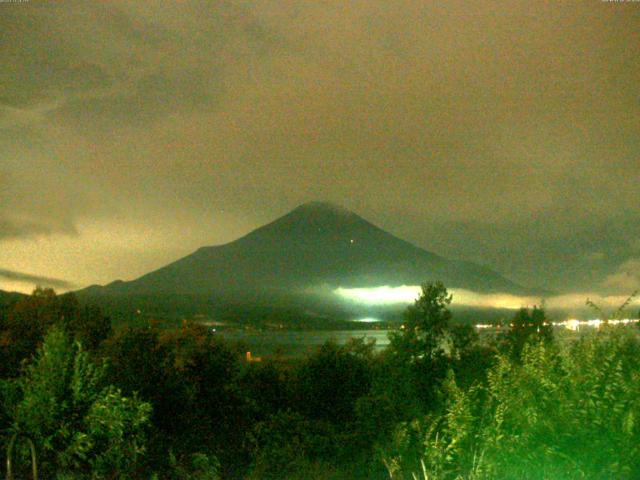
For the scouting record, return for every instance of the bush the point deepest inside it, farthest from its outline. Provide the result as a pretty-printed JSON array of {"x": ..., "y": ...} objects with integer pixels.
[
  {"x": 79, "y": 425},
  {"x": 567, "y": 412}
]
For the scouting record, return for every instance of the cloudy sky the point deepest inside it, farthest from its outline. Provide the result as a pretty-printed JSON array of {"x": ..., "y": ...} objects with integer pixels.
[{"x": 508, "y": 133}]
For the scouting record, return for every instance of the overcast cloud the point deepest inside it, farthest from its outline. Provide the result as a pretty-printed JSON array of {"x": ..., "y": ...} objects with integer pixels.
[
  {"x": 27, "y": 279},
  {"x": 132, "y": 133}
]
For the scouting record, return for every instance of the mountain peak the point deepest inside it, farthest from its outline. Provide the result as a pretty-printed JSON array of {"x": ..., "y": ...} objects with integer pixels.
[
  {"x": 317, "y": 243},
  {"x": 317, "y": 218},
  {"x": 321, "y": 207}
]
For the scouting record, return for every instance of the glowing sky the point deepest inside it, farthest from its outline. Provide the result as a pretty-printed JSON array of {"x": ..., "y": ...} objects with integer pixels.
[
  {"x": 407, "y": 294},
  {"x": 134, "y": 132}
]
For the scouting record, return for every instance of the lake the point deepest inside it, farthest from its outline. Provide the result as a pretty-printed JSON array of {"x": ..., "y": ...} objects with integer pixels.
[{"x": 298, "y": 342}]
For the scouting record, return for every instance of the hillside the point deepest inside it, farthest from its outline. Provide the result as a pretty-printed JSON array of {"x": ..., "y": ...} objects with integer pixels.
[{"x": 315, "y": 246}]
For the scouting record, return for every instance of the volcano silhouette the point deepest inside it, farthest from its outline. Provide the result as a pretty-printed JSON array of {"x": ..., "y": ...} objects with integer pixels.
[{"x": 316, "y": 244}]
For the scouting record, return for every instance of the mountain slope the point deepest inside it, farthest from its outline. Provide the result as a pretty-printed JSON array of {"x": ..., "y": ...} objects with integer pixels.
[
  {"x": 315, "y": 244},
  {"x": 8, "y": 299}
]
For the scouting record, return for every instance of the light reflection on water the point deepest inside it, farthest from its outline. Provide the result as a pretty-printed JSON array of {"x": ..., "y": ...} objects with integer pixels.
[
  {"x": 366, "y": 320},
  {"x": 284, "y": 342}
]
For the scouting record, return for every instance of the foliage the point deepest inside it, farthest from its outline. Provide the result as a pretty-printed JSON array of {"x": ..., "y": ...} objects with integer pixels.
[
  {"x": 428, "y": 345},
  {"x": 114, "y": 440},
  {"x": 438, "y": 404},
  {"x": 77, "y": 424},
  {"x": 329, "y": 382},
  {"x": 528, "y": 326},
  {"x": 195, "y": 466},
  {"x": 287, "y": 445},
  {"x": 560, "y": 412},
  {"x": 192, "y": 379},
  {"x": 31, "y": 317},
  {"x": 426, "y": 324},
  {"x": 618, "y": 313}
]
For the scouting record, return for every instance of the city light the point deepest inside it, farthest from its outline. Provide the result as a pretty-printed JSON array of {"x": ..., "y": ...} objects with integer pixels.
[{"x": 574, "y": 324}]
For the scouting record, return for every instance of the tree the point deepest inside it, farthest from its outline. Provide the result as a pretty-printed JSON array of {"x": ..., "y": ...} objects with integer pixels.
[
  {"x": 25, "y": 326},
  {"x": 528, "y": 326},
  {"x": 329, "y": 382},
  {"x": 77, "y": 424},
  {"x": 27, "y": 321},
  {"x": 87, "y": 324},
  {"x": 426, "y": 322},
  {"x": 191, "y": 379},
  {"x": 420, "y": 351}
]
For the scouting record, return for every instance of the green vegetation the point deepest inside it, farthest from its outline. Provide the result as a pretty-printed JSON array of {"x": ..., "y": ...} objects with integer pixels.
[{"x": 440, "y": 403}]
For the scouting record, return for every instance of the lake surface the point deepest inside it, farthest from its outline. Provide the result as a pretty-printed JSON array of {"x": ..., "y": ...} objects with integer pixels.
[
  {"x": 294, "y": 343},
  {"x": 299, "y": 342}
]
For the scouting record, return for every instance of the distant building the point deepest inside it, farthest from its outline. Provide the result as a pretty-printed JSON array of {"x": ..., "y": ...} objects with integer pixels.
[{"x": 251, "y": 359}]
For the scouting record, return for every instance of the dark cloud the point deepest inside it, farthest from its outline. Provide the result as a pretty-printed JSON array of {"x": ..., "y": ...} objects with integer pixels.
[
  {"x": 502, "y": 134},
  {"x": 153, "y": 96},
  {"x": 562, "y": 254},
  {"x": 12, "y": 229},
  {"x": 39, "y": 61},
  {"x": 35, "y": 279},
  {"x": 626, "y": 277}
]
